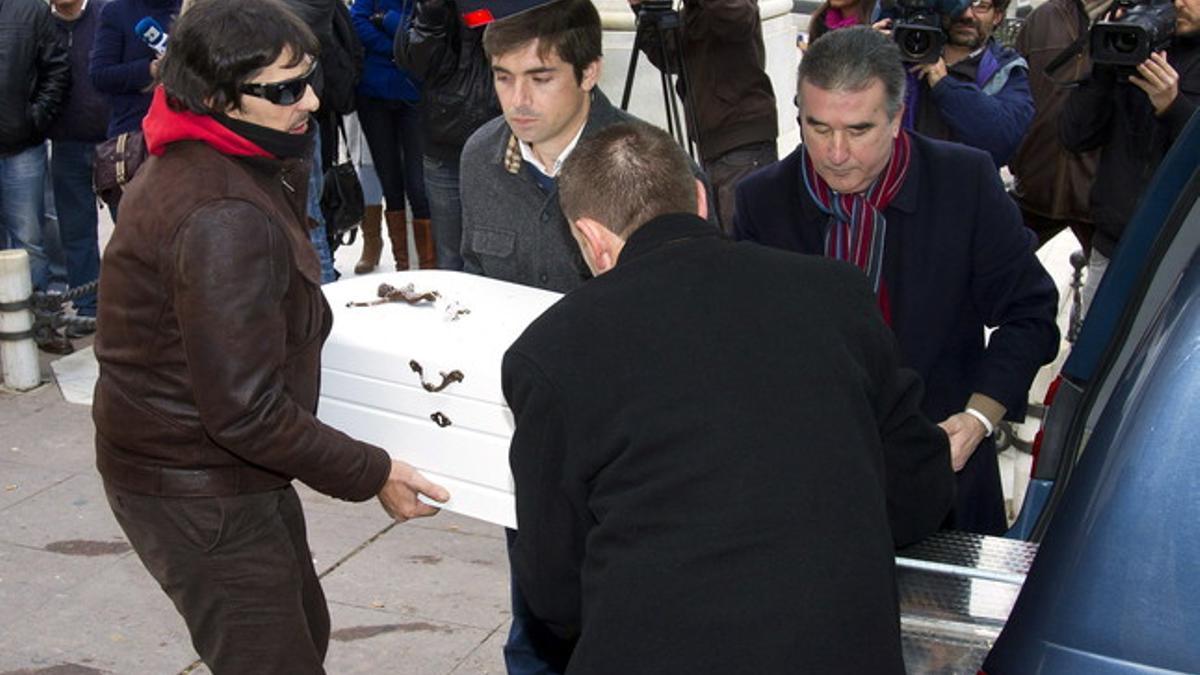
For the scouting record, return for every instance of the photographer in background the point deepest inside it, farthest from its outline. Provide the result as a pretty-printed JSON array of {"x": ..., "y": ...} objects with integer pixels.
[
  {"x": 736, "y": 120},
  {"x": 977, "y": 92},
  {"x": 1051, "y": 183},
  {"x": 1133, "y": 117}
]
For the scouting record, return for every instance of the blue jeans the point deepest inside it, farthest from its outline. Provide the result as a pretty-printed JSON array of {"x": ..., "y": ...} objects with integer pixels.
[
  {"x": 320, "y": 241},
  {"x": 445, "y": 210},
  {"x": 75, "y": 202},
  {"x": 22, "y": 205},
  {"x": 530, "y": 648},
  {"x": 51, "y": 241}
]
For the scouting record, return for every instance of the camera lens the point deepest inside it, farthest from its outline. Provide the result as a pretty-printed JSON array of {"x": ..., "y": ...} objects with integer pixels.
[
  {"x": 915, "y": 43},
  {"x": 1122, "y": 42}
]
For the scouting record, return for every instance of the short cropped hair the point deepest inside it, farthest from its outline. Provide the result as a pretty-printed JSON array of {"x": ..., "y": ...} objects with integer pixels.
[
  {"x": 851, "y": 59},
  {"x": 571, "y": 28},
  {"x": 626, "y": 175},
  {"x": 216, "y": 46}
]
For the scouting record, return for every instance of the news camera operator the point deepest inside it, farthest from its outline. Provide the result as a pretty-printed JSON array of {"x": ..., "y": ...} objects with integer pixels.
[
  {"x": 974, "y": 91},
  {"x": 735, "y": 115},
  {"x": 1132, "y": 115}
]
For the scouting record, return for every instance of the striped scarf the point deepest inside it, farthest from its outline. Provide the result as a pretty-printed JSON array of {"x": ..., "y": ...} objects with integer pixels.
[{"x": 856, "y": 229}]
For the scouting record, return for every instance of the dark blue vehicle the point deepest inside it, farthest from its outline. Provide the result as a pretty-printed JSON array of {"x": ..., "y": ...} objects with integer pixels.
[{"x": 1100, "y": 573}]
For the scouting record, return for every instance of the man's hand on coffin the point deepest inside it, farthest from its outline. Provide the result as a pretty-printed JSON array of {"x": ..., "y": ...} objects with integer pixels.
[{"x": 399, "y": 494}]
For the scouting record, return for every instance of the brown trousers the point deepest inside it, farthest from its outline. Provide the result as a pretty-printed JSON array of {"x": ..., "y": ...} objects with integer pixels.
[
  {"x": 239, "y": 571},
  {"x": 726, "y": 171}
]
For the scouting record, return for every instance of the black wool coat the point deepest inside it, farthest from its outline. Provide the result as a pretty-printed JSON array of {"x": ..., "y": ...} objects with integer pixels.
[
  {"x": 716, "y": 451},
  {"x": 957, "y": 260}
]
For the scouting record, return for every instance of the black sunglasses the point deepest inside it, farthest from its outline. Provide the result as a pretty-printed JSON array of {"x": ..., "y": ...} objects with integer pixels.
[{"x": 286, "y": 92}]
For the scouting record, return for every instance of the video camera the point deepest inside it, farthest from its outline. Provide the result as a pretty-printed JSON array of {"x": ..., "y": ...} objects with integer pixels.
[
  {"x": 918, "y": 30},
  {"x": 1131, "y": 31}
]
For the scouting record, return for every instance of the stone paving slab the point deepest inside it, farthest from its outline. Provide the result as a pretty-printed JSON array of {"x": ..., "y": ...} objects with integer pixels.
[
  {"x": 118, "y": 620},
  {"x": 334, "y": 535},
  {"x": 487, "y": 658},
  {"x": 72, "y": 513},
  {"x": 30, "y": 579},
  {"x": 427, "y": 574},
  {"x": 41, "y": 429},
  {"x": 375, "y": 642},
  {"x": 19, "y": 482}
]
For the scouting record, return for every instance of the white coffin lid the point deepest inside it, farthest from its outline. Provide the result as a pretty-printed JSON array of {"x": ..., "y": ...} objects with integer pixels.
[
  {"x": 379, "y": 341},
  {"x": 369, "y": 390}
]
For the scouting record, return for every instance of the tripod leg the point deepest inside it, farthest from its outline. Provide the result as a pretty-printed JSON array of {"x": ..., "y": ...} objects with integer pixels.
[
  {"x": 689, "y": 103},
  {"x": 633, "y": 59},
  {"x": 669, "y": 107}
]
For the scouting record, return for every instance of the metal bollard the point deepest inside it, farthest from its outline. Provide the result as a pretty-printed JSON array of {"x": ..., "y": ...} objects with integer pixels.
[{"x": 18, "y": 352}]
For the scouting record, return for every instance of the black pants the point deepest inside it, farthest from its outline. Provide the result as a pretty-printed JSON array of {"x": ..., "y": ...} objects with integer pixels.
[
  {"x": 395, "y": 136},
  {"x": 239, "y": 571}
]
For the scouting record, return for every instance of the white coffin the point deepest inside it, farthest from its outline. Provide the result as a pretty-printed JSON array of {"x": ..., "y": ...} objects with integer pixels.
[{"x": 459, "y": 436}]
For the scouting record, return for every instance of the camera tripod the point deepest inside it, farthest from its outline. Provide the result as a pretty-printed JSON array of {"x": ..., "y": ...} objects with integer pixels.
[{"x": 660, "y": 26}]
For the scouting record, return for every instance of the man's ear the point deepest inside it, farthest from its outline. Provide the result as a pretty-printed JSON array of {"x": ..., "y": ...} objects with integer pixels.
[
  {"x": 701, "y": 199},
  {"x": 591, "y": 75},
  {"x": 599, "y": 245},
  {"x": 898, "y": 121}
]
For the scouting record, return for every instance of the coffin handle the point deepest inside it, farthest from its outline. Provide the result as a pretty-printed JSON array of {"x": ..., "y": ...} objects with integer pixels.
[{"x": 447, "y": 378}]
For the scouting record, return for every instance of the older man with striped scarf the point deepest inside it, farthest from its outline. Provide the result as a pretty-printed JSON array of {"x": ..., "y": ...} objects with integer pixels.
[{"x": 930, "y": 224}]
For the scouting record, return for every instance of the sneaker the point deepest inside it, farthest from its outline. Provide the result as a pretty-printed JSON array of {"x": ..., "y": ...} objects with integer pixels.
[{"x": 75, "y": 331}]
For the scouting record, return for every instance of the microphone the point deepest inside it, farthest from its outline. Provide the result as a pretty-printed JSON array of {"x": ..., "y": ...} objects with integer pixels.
[{"x": 152, "y": 34}]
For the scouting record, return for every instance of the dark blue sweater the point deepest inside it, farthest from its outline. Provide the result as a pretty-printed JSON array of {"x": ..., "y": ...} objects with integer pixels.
[
  {"x": 120, "y": 66},
  {"x": 84, "y": 116}
]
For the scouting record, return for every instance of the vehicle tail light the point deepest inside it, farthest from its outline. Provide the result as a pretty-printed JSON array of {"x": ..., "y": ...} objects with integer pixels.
[{"x": 1036, "y": 448}]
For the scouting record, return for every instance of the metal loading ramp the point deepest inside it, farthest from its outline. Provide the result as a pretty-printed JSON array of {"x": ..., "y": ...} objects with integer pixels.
[{"x": 956, "y": 590}]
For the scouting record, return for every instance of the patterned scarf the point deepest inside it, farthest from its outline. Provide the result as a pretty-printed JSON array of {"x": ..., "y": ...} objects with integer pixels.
[{"x": 856, "y": 229}]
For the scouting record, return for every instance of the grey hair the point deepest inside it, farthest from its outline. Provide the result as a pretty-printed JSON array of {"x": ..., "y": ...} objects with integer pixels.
[{"x": 850, "y": 59}]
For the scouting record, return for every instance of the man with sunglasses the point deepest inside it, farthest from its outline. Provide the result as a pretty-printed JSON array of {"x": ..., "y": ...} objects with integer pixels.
[
  {"x": 977, "y": 92},
  {"x": 210, "y": 332}
]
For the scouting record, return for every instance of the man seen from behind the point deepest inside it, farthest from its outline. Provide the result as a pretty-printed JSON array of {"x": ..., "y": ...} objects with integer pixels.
[{"x": 716, "y": 447}]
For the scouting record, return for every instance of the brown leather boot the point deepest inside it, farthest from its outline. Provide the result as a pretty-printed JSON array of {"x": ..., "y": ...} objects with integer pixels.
[
  {"x": 423, "y": 238},
  {"x": 397, "y": 228},
  {"x": 372, "y": 240}
]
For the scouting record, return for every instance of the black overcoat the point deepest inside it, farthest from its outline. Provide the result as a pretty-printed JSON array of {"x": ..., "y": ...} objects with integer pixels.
[
  {"x": 957, "y": 260},
  {"x": 716, "y": 451}
]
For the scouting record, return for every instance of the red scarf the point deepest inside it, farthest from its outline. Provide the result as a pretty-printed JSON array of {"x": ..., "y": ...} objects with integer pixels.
[
  {"x": 856, "y": 229},
  {"x": 163, "y": 126}
]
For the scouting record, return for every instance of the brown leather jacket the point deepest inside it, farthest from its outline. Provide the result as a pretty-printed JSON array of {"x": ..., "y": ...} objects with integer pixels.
[
  {"x": 1050, "y": 180},
  {"x": 211, "y": 323}
]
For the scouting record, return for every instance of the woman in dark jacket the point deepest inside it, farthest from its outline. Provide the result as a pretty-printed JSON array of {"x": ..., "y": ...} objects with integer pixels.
[
  {"x": 123, "y": 65},
  {"x": 459, "y": 97},
  {"x": 389, "y": 111}
]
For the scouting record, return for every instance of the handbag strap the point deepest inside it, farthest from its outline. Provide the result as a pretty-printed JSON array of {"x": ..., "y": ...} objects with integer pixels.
[{"x": 344, "y": 146}]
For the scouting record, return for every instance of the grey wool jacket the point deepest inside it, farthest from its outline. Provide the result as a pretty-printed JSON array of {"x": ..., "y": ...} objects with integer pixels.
[{"x": 512, "y": 229}]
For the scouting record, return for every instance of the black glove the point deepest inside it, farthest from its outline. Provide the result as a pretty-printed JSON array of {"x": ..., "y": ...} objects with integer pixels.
[{"x": 432, "y": 13}]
